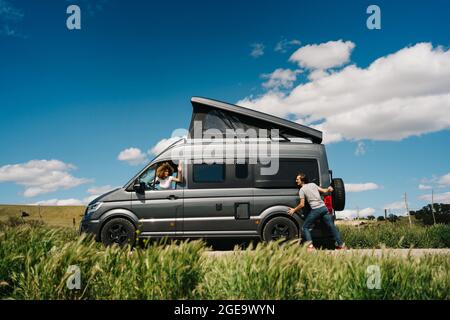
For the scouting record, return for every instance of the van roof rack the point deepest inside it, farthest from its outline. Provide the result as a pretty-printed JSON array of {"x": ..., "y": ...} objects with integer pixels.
[{"x": 221, "y": 115}]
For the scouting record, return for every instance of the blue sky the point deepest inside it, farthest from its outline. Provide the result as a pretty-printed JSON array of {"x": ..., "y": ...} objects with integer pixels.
[{"x": 124, "y": 80}]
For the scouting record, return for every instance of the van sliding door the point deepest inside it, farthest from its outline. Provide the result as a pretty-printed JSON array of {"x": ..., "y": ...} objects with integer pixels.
[{"x": 218, "y": 201}]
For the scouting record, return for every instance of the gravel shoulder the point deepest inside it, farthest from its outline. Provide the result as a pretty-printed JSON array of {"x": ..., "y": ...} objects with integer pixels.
[{"x": 404, "y": 253}]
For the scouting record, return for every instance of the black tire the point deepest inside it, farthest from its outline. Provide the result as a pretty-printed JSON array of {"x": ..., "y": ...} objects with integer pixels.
[
  {"x": 320, "y": 230},
  {"x": 278, "y": 228},
  {"x": 118, "y": 231},
  {"x": 324, "y": 243},
  {"x": 338, "y": 194}
]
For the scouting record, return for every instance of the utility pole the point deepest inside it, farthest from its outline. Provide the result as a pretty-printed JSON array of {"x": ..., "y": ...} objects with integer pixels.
[
  {"x": 432, "y": 205},
  {"x": 357, "y": 213},
  {"x": 407, "y": 210},
  {"x": 385, "y": 214}
]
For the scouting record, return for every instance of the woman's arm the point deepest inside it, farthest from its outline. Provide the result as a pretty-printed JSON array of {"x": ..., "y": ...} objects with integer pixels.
[{"x": 179, "y": 178}]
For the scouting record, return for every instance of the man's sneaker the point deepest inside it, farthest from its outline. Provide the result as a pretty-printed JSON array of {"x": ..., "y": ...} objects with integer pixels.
[
  {"x": 342, "y": 247},
  {"x": 310, "y": 247}
]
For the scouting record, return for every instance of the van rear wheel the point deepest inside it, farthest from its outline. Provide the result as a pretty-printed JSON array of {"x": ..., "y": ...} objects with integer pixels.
[
  {"x": 118, "y": 231},
  {"x": 279, "y": 228}
]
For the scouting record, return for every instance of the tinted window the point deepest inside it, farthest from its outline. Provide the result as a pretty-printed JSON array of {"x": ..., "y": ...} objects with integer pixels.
[
  {"x": 287, "y": 172},
  {"x": 241, "y": 170},
  {"x": 208, "y": 173}
]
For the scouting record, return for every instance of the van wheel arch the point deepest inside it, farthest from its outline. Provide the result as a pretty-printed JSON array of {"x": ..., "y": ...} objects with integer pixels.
[
  {"x": 122, "y": 216},
  {"x": 119, "y": 230}
]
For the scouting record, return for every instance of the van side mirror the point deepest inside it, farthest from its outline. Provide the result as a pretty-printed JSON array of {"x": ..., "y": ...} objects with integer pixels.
[{"x": 139, "y": 186}]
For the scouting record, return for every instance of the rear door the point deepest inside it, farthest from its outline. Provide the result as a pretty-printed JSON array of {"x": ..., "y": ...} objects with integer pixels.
[{"x": 281, "y": 188}]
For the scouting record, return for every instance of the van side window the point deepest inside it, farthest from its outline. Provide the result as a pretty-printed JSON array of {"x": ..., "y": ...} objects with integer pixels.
[
  {"x": 208, "y": 173},
  {"x": 287, "y": 172},
  {"x": 241, "y": 171}
]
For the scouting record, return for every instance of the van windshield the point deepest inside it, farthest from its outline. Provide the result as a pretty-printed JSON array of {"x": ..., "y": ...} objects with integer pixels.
[{"x": 149, "y": 175}]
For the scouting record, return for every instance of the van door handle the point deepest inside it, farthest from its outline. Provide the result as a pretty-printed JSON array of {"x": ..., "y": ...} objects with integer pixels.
[{"x": 172, "y": 197}]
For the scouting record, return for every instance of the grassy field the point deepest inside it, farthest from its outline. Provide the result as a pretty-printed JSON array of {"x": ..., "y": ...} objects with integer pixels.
[
  {"x": 372, "y": 234},
  {"x": 59, "y": 216},
  {"x": 34, "y": 260}
]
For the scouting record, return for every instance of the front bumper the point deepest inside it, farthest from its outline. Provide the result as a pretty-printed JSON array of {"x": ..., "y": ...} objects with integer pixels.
[{"x": 90, "y": 227}]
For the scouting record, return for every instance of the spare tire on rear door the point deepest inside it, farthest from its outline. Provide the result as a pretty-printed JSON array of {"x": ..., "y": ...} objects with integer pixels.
[{"x": 338, "y": 194}]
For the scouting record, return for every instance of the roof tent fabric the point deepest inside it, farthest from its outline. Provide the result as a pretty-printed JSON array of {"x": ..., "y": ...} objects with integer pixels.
[{"x": 213, "y": 114}]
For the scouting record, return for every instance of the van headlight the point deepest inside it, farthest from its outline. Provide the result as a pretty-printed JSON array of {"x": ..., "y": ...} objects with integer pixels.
[{"x": 93, "y": 207}]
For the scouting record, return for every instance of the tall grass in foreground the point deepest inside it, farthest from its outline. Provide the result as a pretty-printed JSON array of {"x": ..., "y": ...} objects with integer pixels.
[
  {"x": 290, "y": 272},
  {"x": 34, "y": 262}
]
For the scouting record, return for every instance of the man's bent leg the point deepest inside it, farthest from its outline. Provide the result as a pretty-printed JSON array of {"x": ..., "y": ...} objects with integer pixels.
[{"x": 313, "y": 215}]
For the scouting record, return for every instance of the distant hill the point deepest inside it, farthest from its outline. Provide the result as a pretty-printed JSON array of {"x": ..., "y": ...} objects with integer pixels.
[{"x": 61, "y": 216}]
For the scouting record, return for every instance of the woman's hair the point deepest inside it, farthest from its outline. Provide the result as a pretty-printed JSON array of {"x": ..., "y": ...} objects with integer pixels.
[
  {"x": 162, "y": 168},
  {"x": 303, "y": 176}
]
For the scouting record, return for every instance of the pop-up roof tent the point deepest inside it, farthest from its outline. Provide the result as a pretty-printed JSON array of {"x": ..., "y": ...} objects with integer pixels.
[{"x": 219, "y": 115}]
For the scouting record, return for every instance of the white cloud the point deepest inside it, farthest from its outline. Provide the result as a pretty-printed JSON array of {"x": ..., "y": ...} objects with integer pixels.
[
  {"x": 164, "y": 143},
  {"x": 400, "y": 95},
  {"x": 257, "y": 50},
  {"x": 360, "y": 149},
  {"x": 96, "y": 192},
  {"x": 133, "y": 156},
  {"x": 323, "y": 56},
  {"x": 92, "y": 7},
  {"x": 395, "y": 205},
  {"x": 41, "y": 176},
  {"x": 8, "y": 12},
  {"x": 352, "y": 214},
  {"x": 360, "y": 187},
  {"x": 284, "y": 44},
  {"x": 93, "y": 192},
  {"x": 435, "y": 181},
  {"x": 317, "y": 74},
  {"x": 100, "y": 190},
  {"x": 437, "y": 197},
  {"x": 60, "y": 202},
  {"x": 444, "y": 180},
  {"x": 280, "y": 79},
  {"x": 10, "y": 16}
]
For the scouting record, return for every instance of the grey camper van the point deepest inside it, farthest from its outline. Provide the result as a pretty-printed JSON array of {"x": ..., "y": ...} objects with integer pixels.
[{"x": 220, "y": 199}]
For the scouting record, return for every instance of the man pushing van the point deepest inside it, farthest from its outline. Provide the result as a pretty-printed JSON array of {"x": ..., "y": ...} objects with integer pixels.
[{"x": 311, "y": 192}]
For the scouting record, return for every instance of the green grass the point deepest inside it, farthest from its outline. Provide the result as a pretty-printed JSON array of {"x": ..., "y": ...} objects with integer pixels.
[
  {"x": 289, "y": 272},
  {"x": 58, "y": 216},
  {"x": 396, "y": 235},
  {"x": 34, "y": 260}
]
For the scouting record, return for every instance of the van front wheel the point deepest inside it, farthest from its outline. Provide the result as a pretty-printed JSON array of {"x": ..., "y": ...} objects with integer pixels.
[
  {"x": 279, "y": 228},
  {"x": 118, "y": 231}
]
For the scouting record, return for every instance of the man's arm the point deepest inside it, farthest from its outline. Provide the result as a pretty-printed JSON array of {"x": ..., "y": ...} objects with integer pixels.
[
  {"x": 323, "y": 190},
  {"x": 291, "y": 211}
]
